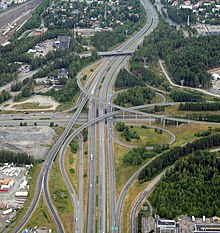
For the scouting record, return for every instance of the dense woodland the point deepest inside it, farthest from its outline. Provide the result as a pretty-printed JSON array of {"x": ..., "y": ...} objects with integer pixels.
[
  {"x": 187, "y": 59},
  {"x": 135, "y": 96},
  {"x": 146, "y": 74},
  {"x": 4, "y": 95},
  {"x": 126, "y": 79},
  {"x": 169, "y": 157},
  {"x": 209, "y": 106},
  {"x": 191, "y": 187},
  {"x": 201, "y": 117},
  {"x": 138, "y": 155},
  {"x": 184, "y": 96},
  {"x": 16, "y": 158}
]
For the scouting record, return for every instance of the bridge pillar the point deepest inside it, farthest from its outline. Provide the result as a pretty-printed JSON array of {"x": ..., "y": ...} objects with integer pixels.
[
  {"x": 177, "y": 123},
  {"x": 164, "y": 122}
]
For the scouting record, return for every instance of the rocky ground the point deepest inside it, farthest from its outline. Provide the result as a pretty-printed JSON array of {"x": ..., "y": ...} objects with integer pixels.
[{"x": 34, "y": 141}]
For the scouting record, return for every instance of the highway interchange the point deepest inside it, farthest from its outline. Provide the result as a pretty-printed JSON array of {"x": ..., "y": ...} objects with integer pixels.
[{"x": 97, "y": 92}]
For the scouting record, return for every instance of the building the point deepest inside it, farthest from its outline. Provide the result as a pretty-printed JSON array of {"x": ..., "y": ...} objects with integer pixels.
[
  {"x": 166, "y": 226},
  {"x": 3, "y": 6},
  {"x": 207, "y": 228},
  {"x": 63, "y": 73},
  {"x": 39, "y": 31},
  {"x": 63, "y": 42}
]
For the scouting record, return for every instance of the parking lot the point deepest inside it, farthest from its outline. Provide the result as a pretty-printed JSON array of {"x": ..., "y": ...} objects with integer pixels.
[
  {"x": 8, "y": 199},
  {"x": 188, "y": 226}
]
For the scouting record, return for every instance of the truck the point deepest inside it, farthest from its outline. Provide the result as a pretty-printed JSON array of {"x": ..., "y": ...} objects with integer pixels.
[{"x": 7, "y": 211}]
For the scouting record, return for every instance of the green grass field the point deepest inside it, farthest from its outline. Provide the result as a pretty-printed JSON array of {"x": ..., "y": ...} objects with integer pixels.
[
  {"x": 147, "y": 136},
  {"x": 60, "y": 197}
]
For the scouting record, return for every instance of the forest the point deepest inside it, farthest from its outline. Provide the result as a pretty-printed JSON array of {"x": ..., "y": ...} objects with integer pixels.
[
  {"x": 201, "y": 117},
  {"x": 16, "y": 158},
  {"x": 167, "y": 158},
  {"x": 4, "y": 95},
  {"x": 191, "y": 187},
  {"x": 184, "y": 96},
  {"x": 135, "y": 96},
  {"x": 137, "y": 156},
  {"x": 205, "y": 106},
  {"x": 202, "y": 53},
  {"x": 126, "y": 79}
]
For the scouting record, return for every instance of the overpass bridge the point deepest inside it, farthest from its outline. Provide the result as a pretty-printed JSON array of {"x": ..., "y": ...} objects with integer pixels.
[
  {"x": 116, "y": 53},
  {"x": 110, "y": 53}
]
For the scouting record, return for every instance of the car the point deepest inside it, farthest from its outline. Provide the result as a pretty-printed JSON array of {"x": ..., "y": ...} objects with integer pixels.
[
  {"x": 76, "y": 219},
  {"x": 90, "y": 185}
]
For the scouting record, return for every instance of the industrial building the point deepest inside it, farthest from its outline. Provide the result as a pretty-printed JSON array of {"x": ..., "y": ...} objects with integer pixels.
[
  {"x": 207, "y": 228},
  {"x": 63, "y": 42},
  {"x": 166, "y": 226}
]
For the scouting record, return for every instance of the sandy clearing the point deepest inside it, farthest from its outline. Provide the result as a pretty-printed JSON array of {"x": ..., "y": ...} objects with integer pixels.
[{"x": 43, "y": 101}]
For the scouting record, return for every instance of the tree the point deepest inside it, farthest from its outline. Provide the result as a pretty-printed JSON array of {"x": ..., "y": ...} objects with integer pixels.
[{"x": 51, "y": 124}]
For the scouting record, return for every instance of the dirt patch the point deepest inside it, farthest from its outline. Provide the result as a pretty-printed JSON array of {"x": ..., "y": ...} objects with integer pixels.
[
  {"x": 34, "y": 141},
  {"x": 34, "y": 103}
]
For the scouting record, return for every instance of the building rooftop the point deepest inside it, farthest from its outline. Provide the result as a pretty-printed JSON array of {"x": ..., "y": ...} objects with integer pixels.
[
  {"x": 207, "y": 228},
  {"x": 64, "y": 41}
]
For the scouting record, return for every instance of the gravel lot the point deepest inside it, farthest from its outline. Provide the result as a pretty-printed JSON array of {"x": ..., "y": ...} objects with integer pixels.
[
  {"x": 32, "y": 140},
  {"x": 43, "y": 101}
]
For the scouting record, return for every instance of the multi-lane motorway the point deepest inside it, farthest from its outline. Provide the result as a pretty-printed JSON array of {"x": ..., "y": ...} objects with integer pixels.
[{"x": 97, "y": 92}]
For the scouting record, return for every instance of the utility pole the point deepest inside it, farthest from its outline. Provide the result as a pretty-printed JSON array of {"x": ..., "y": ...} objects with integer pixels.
[
  {"x": 105, "y": 14},
  {"x": 182, "y": 82},
  {"x": 188, "y": 21}
]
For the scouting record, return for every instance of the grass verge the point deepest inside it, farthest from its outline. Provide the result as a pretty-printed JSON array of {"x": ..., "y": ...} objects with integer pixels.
[
  {"x": 131, "y": 196},
  {"x": 186, "y": 132},
  {"x": 71, "y": 164},
  {"x": 60, "y": 197},
  {"x": 31, "y": 106},
  {"x": 147, "y": 136},
  {"x": 41, "y": 217}
]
